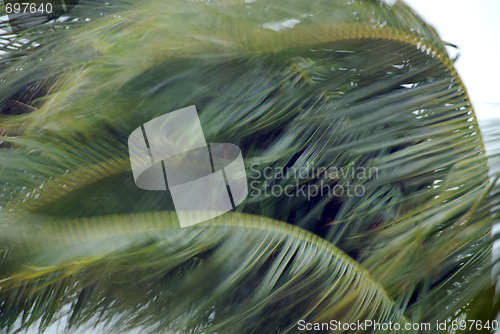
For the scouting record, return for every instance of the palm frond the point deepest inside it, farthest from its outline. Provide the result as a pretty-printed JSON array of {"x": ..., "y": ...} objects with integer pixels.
[
  {"x": 235, "y": 274},
  {"x": 297, "y": 85}
]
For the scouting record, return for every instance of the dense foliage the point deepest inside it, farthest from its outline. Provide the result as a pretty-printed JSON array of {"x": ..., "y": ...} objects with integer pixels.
[{"x": 347, "y": 85}]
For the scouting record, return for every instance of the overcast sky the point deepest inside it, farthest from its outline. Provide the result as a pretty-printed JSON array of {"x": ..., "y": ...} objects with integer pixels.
[{"x": 474, "y": 26}]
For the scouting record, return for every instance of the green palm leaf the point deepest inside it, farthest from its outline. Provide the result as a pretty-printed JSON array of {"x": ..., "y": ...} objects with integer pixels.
[
  {"x": 304, "y": 86},
  {"x": 235, "y": 274}
]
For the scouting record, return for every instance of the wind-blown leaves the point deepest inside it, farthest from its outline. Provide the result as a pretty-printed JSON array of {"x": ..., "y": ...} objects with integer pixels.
[
  {"x": 236, "y": 274},
  {"x": 347, "y": 86}
]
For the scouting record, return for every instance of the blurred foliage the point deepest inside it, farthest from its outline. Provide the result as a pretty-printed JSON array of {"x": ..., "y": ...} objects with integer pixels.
[{"x": 295, "y": 84}]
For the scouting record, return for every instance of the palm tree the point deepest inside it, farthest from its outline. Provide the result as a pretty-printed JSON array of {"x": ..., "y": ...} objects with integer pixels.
[{"x": 342, "y": 85}]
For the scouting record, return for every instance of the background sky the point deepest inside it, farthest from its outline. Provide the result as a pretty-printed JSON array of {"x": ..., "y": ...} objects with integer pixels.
[{"x": 474, "y": 26}]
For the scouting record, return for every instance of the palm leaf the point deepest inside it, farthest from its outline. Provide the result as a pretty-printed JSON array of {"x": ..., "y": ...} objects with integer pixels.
[
  {"x": 349, "y": 86},
  {"x": 237, "y": 273}
]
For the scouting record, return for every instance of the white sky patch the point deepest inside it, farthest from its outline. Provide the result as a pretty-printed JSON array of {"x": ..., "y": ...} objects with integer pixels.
[
  {"x": 474, "y": 27},
  {"x": 390, "y": 2},
  {"x": 280, "y": 25}
]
